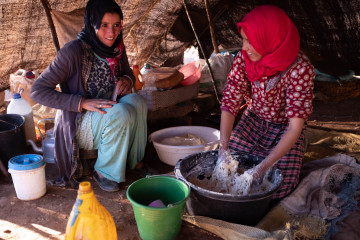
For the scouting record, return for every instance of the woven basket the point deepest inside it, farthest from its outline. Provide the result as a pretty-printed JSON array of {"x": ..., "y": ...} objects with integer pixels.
[
  {"x": 157, "y": 100},
  {"x": 334, "y": 91}
]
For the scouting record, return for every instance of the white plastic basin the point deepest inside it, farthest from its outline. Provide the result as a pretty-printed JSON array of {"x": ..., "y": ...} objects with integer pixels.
[{"x": 171, "y": 154}]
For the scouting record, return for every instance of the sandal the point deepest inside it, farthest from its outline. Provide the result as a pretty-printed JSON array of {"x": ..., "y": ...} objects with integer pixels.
[{"x": 106, "y": 184}]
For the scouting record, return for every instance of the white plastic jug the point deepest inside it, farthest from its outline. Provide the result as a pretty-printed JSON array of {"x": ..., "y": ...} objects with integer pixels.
[
  {"x": 23, "y": 79},
  {"x": 19, "y": 106}
]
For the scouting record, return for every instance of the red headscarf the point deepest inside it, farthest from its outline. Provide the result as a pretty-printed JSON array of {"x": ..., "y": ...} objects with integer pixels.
[{"x": 273, "y": 35}]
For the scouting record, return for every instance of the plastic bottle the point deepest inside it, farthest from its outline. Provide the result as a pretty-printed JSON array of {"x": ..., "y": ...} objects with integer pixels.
[
  {"x": 89, "y": 219},
  {"x": 139, "y": 81},
  {"x": 19, "y": 106},
  {"x": 149, "y": 79},
  {"x": 146, "y": 67},
  {"x": 22, "y": 78}
]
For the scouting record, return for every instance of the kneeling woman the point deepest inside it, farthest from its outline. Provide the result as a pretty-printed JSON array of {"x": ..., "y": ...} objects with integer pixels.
[
  {"x": 88, "y": 69},
  {"x": 276, "y": 79}
]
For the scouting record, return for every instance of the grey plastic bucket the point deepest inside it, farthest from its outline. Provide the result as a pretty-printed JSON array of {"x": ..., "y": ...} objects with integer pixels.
[{"x": 246, "y": 210}]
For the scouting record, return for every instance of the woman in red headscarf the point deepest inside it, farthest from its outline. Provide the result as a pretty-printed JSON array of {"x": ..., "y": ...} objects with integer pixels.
[{"x": 276, "y": 80}]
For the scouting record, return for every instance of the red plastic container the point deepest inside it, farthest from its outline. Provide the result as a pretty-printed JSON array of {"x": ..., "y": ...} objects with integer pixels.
[{"x": 191, "y": 73}]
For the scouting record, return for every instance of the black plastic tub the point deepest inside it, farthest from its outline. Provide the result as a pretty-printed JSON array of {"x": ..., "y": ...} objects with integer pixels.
[
  {"x": 246, "y": 210},
  {"x": 12, "y": 137}
]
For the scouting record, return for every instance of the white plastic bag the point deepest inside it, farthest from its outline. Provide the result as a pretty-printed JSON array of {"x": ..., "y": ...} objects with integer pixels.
[
  {"x": 191, "y": 55},
  {"x": 221, "y": 66}
]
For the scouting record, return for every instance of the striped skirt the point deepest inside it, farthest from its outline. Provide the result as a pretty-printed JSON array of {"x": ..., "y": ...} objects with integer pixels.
[{"x": 258, "y": 137}]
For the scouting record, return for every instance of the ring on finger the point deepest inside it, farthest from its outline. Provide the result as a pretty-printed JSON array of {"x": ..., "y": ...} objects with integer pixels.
[{"x": 100, "y": 105}]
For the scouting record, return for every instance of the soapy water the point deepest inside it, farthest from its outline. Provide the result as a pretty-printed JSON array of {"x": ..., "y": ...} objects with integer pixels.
[
  {"x": 187, "y": 139},
  {"x": 229, "y": 177}
]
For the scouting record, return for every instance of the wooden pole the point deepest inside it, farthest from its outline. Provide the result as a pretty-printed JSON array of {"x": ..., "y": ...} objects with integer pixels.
[
  {"x": 203, "y": 53},
  {"x": 51, "y": 25},
  {"x": 218, "y": 14},
  {"x": 212, "y": 33}
]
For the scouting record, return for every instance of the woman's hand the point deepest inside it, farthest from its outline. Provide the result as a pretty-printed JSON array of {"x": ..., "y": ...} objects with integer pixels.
[
  {"x": 223, "y": 154},
  {"x": 96, "y": 105},
  {"x": 286, "y": 142},
  {"x": 122, "y": 86},
  {"x": 258, "y": 172}
]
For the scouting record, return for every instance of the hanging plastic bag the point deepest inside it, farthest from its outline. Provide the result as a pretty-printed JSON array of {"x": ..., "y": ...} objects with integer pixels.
[
  {"x": 221, "y": 66},
  {"x": 190, "y": 55}
]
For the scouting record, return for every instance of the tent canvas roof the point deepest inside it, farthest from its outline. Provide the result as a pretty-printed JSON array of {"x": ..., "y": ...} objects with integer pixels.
[{"x": 158, "y": 31}]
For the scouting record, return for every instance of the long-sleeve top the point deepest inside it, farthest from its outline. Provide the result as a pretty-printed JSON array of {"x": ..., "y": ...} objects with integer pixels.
[
  {"x": 276, "y": 98},
  {"x": 70, "y": 69}
]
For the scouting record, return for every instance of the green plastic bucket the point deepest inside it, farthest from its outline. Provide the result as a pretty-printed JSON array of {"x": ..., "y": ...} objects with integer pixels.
[{"x": 158, "y": 223}]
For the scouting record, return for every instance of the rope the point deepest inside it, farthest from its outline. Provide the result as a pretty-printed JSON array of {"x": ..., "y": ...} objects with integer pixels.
[{"x": 202, "y": 50}]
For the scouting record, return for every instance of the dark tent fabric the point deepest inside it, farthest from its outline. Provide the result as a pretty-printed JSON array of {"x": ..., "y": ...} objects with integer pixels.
[{"x": 158, "y": 31}]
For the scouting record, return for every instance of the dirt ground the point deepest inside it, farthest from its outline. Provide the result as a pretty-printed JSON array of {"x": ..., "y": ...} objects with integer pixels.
[{"x": 46, "y": 218}]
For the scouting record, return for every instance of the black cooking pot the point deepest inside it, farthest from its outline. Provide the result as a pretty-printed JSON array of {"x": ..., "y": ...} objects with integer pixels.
[
  {"x": 12, "y": 136},
  {"x": 246, "y": 210}
]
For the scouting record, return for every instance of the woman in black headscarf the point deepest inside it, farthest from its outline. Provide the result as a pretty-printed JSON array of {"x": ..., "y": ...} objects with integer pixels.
[{"x": 95, "y": 110}]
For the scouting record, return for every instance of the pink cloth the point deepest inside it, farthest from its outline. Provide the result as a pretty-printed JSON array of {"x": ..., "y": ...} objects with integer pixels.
[
  {"x": 114, "y": 62},
  {"x": 273, "y": 35}
]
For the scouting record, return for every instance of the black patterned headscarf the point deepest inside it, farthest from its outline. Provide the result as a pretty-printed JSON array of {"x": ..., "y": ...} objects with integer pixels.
[{"x": 94, "y": 12}]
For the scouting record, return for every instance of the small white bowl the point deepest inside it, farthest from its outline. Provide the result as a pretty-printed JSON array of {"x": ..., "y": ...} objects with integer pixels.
[{"x": 170, "y": 154}]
